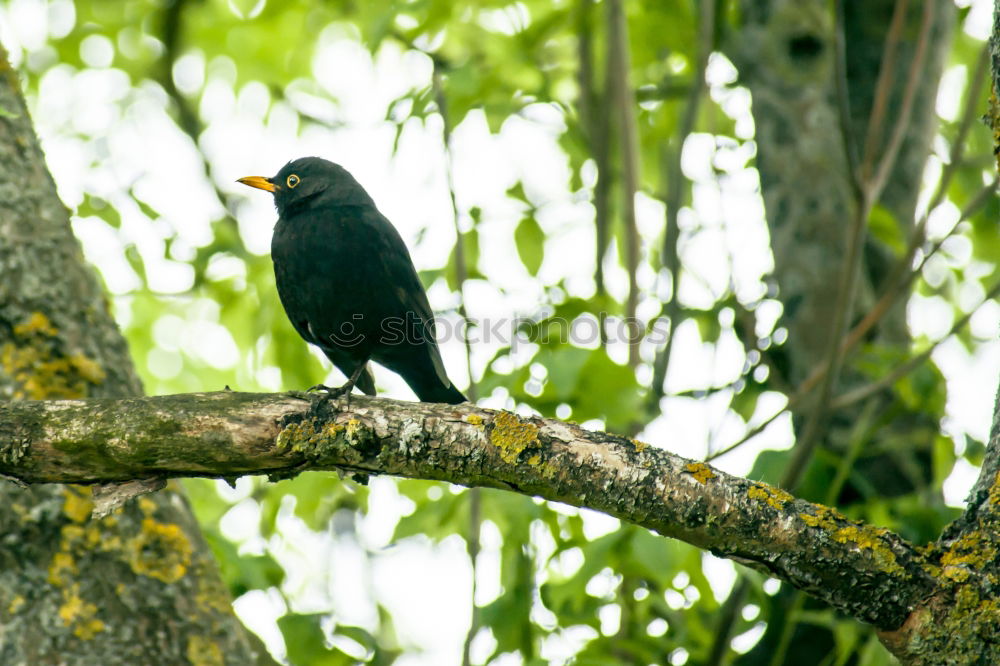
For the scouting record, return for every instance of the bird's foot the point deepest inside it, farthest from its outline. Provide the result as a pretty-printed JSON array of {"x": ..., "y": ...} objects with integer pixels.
[{"x": 329, "y": 393}]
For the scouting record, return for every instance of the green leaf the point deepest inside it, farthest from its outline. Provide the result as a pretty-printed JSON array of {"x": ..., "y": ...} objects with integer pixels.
[
  {"x": 769, "y": 466},
  {"x": 305, "y": 642},
  {"x": 886, "y": 229},
  {"x": 470, "y": 246},
  {"x": 242, "y": 573},
  {"x": 530, "y": 241},
  {"x": 318, "y": 495},
  {"x": 434, "y": 519},
  {"x": 359, "y": 635}
]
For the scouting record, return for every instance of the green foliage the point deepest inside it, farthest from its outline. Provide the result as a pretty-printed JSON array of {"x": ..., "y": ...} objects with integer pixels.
[
  {"x": 317, "y": 497},
  {"x": 243, "y": 573},
  {"x": 886, "y": 229},
  {"x": 530, "y": 244},
  {"x": 307, "y": 642}
]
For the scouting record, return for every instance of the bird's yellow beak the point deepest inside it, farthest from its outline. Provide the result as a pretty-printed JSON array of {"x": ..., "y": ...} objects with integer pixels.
[{"x": 260, "y": 182}]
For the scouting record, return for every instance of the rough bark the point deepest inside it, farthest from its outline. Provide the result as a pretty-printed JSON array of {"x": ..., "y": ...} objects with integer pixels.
[
  {"x": 865, "y": 571},
  {"x": 140, "y": 587},
  {"x": 958, "y": 623}
]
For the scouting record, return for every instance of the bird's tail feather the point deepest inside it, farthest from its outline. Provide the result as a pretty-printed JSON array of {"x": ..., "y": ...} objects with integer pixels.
[
  {"x": 436, "y": 392},
  {"x": 366, "y": 381}
]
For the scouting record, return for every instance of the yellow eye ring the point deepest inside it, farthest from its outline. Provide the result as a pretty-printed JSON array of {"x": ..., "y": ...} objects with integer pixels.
[{"x": 292, "y": 181}]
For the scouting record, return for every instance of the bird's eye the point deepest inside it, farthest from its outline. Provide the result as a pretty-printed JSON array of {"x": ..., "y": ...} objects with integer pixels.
[{"x": 292, "y": 181}]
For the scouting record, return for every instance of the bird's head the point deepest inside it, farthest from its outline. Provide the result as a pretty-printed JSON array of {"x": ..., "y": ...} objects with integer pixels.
[{"x": 310, "y": 180}]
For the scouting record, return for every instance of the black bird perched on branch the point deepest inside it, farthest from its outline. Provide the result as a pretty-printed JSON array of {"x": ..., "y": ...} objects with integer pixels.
[{"x": 347, "y": 282}]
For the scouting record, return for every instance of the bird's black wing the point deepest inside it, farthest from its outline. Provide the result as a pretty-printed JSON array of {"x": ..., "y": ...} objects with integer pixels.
[
  {"x": 398, "y": 266},
  {"x": 295, "y": 272}
]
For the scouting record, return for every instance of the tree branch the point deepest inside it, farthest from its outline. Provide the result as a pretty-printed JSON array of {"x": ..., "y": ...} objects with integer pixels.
[{"x": 865, "y": 571}]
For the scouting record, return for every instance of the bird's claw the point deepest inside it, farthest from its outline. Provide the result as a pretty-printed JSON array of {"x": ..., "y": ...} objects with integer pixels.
[{"x": 329, "y": 393}]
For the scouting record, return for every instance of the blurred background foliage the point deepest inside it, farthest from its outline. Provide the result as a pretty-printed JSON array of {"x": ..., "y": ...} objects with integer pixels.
[{"x": 505, "y": 140}]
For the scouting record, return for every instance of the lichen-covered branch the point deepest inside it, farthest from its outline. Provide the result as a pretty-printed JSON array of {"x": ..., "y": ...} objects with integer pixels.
[{"x": 866, "y": 571}]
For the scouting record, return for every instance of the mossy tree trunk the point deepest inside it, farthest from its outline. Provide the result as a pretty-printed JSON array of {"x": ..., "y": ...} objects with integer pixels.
[{"x": 136, "y": 587}]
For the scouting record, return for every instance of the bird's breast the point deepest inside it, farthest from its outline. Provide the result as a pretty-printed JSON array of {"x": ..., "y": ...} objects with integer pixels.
[{"x": 326, "y": 270}]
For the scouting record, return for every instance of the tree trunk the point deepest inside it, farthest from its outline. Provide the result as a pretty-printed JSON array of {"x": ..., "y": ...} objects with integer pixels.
[
  {"x": 136, "y": 587},
  {"x": 812, "y": 133},
  {"x": 787, "y": 57}
]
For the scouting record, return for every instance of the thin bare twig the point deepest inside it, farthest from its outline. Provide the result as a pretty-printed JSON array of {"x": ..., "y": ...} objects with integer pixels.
[
  {"x": 896, "y": 284},
  {"x": 883, "y": 88},
  {"x": 172, "y": 32},
  {"x": 727, "y": 615},
  {"x": 461, "y": 275},
  {"x": 619, "y": 80},
  {"x": 971, "y": 108},
  {"x": 461, "y": 268},
  {"x": 844, "y": 102},
  {"x": 595, "y": 129},
  {"x": 674, "y": 194},
  {"x": 909, "y": 366},
  {"x": 902, "y": 121}
]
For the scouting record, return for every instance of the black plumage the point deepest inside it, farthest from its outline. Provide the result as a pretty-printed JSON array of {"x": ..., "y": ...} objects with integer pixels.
[{"x": 346, "y": 280}]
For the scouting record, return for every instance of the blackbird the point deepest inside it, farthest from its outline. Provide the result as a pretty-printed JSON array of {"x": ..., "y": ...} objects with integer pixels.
[{"x": 347, "y": 283}]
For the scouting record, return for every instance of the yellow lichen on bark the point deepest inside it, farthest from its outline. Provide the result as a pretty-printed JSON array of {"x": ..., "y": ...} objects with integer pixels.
[
  {"x": 62, "y": 563},
  {"x": 994, "y": 497},
  {"x": 512, "y": 435},
  {"x": 79, "y": 614},
  {"x": 77, "y": 504},
  {"x": 845, "y": 531},
  {"x": 15, "y": 604},
  {"x": 147, "y": 506},
  {"x": 37, "y": 322},
  {"x": 41, "y": 369},
  {"x": 211, "y": 597},
  {"x": 353, "y": 431},
  {"x": 79, "y": 538},
  {"x": 776, "y": 498},
  {"x": 87, "y": 368},
  {"x": 202, "y": 651},
  {"x": 700, "y": 471},
  {"x": 159, "y": 550},
  {"x": 825, "y": 518},
  {"x": 966, "y": 555},
  {"x": 305, "y": 438}
]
